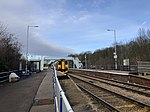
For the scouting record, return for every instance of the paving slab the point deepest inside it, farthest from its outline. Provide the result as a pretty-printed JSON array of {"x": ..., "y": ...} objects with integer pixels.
[
  {"x": 43, "y": 108},
  {"x": 18, "y": 96},
  {"x": 43, "y": 101}
]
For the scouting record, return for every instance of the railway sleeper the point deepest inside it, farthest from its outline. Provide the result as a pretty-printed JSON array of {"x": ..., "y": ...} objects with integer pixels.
[{"x": 140, "y": 105}]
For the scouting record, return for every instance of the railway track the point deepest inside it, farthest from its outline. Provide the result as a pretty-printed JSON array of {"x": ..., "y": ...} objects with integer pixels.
[
  {"x": 112, "y": 100},
  {"x": 127, "y": 86},
  {"x": 131, "y": 79}
]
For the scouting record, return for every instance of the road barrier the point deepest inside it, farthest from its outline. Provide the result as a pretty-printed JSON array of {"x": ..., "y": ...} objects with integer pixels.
[{"x": 61, "y": 102}]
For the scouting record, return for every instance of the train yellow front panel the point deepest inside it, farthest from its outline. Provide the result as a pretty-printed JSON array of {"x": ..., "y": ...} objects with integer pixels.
[{"x": 63, "y": 65}]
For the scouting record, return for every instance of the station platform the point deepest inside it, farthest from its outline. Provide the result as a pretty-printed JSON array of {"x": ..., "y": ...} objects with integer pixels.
[
  {"x": 44, "y": 98},
  {"x": 108, "y": 71}
]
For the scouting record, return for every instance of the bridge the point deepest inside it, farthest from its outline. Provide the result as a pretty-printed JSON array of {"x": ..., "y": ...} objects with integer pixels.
[{"x": 41, "y": 61}]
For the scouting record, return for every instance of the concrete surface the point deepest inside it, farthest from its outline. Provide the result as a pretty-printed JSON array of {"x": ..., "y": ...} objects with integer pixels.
[
  {"x": 43, "y": 108},
  {"x": 18, "y": 96},
  {"x": 45, "y": 90},
  {"x": 108, "y": 71},
  {"x": 44, "y": 95}
]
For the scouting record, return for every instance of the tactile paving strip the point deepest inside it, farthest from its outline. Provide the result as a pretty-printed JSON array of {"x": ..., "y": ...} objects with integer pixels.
[{"x": 43, "y": 102}]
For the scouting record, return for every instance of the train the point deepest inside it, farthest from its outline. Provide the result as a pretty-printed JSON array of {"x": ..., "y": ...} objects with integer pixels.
[{"x": 62, "y": 65}]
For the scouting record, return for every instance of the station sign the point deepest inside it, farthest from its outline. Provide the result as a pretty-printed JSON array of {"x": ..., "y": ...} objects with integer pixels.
[{"x": 126, "y": 62}]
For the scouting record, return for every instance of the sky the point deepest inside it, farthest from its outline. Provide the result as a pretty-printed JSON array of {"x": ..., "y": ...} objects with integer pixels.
[{"x": 73, "y": 26}]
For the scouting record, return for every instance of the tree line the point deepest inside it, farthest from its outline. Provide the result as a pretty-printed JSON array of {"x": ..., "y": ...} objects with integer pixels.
[
  {"x": 135, "y": 50},
  {"x": 10, "y": 50}
]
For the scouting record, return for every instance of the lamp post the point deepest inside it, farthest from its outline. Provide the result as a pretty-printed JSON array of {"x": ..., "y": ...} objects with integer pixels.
[
  {"x": 85, "y": 62},
  {"x": 115, "y": 53},
  {"x": 28, "y": 27}
]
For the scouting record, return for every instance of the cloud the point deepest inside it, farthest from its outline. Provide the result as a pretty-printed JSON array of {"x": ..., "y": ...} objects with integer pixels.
[
  {"x": 144, "y": 22},
  {"x": 48, "y": 49},
  {"x": 40, "y": 46},
  {"x": 77, "y": 19},
  {"x": 65, "y": 24},
  {"x": 14, "y": 2},
  {"x": 96, "y": 3},
  {"x": 18, "y": 14}
]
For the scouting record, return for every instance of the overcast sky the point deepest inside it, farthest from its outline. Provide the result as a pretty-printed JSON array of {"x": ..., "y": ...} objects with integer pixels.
[{"x": 73, "y": 26}]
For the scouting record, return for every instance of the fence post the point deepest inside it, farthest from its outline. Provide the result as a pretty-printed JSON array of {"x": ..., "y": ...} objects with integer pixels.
[{"x": 60, "y": 102}]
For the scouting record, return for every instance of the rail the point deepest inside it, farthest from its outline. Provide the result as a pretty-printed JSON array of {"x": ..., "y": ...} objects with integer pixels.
[
  {"x": 122, "y": 96},
  {"x": 61, "y": 102},
  {"x": 116, "y": 76}
]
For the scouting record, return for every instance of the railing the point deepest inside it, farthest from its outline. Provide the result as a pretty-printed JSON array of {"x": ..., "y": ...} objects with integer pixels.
[
  {"x": 111, "y": 67},
  {"x": 4, "y": 76},
  {"x": 61, "y": 102},
  {"x": 144, "y": 67}
]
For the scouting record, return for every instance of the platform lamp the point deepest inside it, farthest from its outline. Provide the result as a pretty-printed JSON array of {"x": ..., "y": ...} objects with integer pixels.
[
  {"x": 115, "y": 52},
  {"x": 28, "y": 27}
]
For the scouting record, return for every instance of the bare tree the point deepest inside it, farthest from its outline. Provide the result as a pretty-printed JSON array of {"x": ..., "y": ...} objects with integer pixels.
[
  {"x": 135, "y": 50},
  {"x": 9, "y": 50}
]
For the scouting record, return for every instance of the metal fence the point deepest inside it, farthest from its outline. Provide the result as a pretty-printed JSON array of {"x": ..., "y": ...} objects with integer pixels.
[
  {"x": 111, "y": 67},
  {"x": 143, "y": 67},
  {"x": 4, "y": 76},
  {"x": 61, "y": 102}
]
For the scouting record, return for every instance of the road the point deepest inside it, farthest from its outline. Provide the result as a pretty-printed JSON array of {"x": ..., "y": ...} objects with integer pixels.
[{"x": 18, "y": 96}]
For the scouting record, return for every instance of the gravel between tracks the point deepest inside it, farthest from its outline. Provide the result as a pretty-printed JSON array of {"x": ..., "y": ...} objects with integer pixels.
[
  {"x": 117, "y": 91},
  {"x": 78, "y": 101},
  {"x": 123, "y": 92},
  {"x": 127, "y": 93}
]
